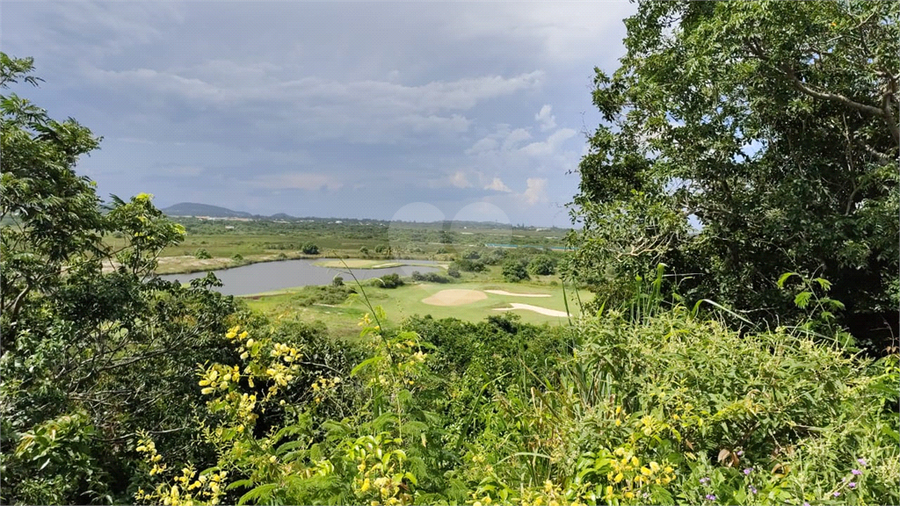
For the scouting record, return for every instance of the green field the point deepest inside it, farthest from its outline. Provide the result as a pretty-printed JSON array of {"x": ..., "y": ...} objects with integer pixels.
[{"x": 406, "y": 301}]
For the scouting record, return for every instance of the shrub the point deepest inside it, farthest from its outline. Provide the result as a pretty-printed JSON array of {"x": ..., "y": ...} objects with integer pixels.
[
  {"x": 237, "y": 258},
  {"x": 542, "y": 265},
  {"x": 202, "y": 254},
  {"x": 310, "y": 249},
  {"x": 390, "y": 281},
  {"x": 464, "y": 264},
  {"x": 430, "y": 277},
  {"x": 453, "y": 271},
  {"x": 337, "y": 281},
  {"x": 515, "y": 271},
  {"x": 327, "y": 294}
]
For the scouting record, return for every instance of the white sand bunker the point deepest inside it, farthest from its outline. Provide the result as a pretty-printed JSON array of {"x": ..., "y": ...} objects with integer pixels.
[
  {"x": 536, "y": 309},
  {"x": 504, "y": 292},
  {"x": 454, "y": 297}
]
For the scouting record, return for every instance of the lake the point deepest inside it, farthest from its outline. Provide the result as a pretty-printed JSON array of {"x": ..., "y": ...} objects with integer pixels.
[{"x": 269, "y": 276}]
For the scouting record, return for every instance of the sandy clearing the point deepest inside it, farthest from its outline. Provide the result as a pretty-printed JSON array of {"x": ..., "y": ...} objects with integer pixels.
[
  {"x": 536, "y": 309},
  {"x": 504, "y": 292},
  {"x": 456, "y": 297}
]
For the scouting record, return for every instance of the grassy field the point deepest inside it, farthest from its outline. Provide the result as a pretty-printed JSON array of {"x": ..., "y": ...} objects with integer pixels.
[{"x": 405, "y": 301}]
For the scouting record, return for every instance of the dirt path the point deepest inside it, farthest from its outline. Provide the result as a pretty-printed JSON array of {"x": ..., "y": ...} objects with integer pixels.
[
  {"x": 504, "y": 292},
  {"x": 536, "y": 309}
]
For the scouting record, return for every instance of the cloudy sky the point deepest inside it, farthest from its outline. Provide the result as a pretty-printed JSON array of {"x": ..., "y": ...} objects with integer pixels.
[{"x": 435, "y": 110}]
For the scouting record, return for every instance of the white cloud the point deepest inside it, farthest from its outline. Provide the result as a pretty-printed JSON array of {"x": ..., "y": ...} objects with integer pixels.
[
  {"x": 552, "y": 143},
  {"x": 498, "y": 185},
  {"x": 296, "y": 181},
  {"x": 536, "y": 191},
  {"x": 546, "y": 119},
  {"x": 459, "y": 180}
]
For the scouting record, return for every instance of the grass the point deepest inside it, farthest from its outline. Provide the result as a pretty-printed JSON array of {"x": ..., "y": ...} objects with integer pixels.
[{"x": 405, "y": 301}]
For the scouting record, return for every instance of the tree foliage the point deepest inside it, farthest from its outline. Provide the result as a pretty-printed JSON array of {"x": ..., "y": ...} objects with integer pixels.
[
  {"x": 94, "y": 348},
  {"x": 773, "y": 125}
]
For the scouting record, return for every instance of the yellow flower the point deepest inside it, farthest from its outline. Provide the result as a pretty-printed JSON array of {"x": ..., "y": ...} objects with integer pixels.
[
  {"x": 646, "y": 471},
  {"x": 654, "y": 467},
  {"x": 668, "y": 469},
  {"x": 635, "y": 462},
  {"x": 476, "y": 503},
  {"x": 548, "y": 486},
  {"x": 619, "y": 477},
  {"x": 365, "y": 486},
  {"x": 486, "y": 499},
  {"x": 272, "y": 459},
  {"x": 609, "y": 491},
  {"x": 629, "y": 495}
]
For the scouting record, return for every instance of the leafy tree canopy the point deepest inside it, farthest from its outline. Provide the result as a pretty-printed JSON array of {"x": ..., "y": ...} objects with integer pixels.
[{"x": 771, "y": 124}]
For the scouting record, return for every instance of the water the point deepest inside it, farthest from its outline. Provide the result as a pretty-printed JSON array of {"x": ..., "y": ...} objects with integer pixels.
[{"x": 269, "y": 276}]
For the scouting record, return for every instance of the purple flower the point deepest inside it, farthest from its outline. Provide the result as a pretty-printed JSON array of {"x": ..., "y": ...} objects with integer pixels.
[
  {"x": 862, "y": 462},
  {"x": 710, "y": 497},
  {"x": 806, "y": 504},
  {"x": 753, "y": 489},
  {"x": 740, "y": 453},
  {"x": 748, "y": 471},
  {"x": 836, "y": 493},
  {"x": 852, "y": 484},
  {"x": 856, "y": 472},
  {"x": 704, "y": 480}
]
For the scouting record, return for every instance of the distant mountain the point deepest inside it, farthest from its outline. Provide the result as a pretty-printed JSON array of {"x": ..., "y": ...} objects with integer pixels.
[
  {"x": 281, "y": 216},
  {"x": 192, "y": 209}
]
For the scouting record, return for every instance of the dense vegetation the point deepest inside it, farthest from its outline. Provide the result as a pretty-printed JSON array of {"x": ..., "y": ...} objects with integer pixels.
[
  {"x": 739, "y": 385},
  {"x": 773, "y": 124}
]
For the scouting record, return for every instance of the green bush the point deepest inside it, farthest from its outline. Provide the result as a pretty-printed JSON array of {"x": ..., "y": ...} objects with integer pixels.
[
  {"x": 542, "y": 265},
  {"x": 389, "y": 281},
  {"x": 310, "y": 249},
  {"x": 202, "y": 254},
  {"x": 327, "y": 294},
  {"x": 515, "y": 271},
  {"x": 430, "y": 277}
]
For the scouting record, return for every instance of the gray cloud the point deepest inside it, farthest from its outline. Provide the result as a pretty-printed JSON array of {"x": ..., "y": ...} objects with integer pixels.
[{"x": 320, "y": 109}]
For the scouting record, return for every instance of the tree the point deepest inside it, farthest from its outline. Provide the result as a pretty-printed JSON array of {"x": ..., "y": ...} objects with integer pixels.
[
  {"x": 310, "y": 249},
  {"x": 770, "y": 124},
  {"x": 542, "y": 265},
  {"x": 94, "y": 346},
  {"x": 515, "y": 271}
]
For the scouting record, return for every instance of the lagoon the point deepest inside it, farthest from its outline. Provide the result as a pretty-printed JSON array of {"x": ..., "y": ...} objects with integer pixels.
[{"x": 271, "y": 276}]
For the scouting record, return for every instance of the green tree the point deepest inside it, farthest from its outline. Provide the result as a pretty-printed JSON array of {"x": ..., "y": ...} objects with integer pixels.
[
  {"x": 774, "y": 125},
  {"x": 310, "y": 249},
  {"x": 542, "y": 265},
  {"x": 94, "y": 346},
  {"x": 515, "y": 270}
]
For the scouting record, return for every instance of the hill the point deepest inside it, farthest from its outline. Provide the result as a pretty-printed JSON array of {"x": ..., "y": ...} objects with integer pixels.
[{"x": 193, "y": 209}]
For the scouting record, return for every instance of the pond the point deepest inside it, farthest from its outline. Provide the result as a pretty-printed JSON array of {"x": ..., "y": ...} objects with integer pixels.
[{"x": 270, "y": 276}]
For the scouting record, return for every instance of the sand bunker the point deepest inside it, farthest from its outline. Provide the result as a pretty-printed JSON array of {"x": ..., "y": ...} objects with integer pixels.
[
  {"x": 536, "y": 309},
  {"x": 504, "y": 292},
  {"x": 454, "y": 297}
]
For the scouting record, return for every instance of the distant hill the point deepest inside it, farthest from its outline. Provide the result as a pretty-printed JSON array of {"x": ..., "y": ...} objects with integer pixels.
[
  {"x": 281, "y": 216},
  {"x": 192, "y": 209}
]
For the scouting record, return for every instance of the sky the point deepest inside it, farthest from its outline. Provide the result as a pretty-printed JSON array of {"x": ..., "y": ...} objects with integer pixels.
[{"x": 419, "y": 111}]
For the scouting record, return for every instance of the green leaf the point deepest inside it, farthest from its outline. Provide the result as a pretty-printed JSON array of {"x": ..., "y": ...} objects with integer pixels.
[
  {"x": 784, "y": 277},
  {"x": 802, "y": 299}
]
